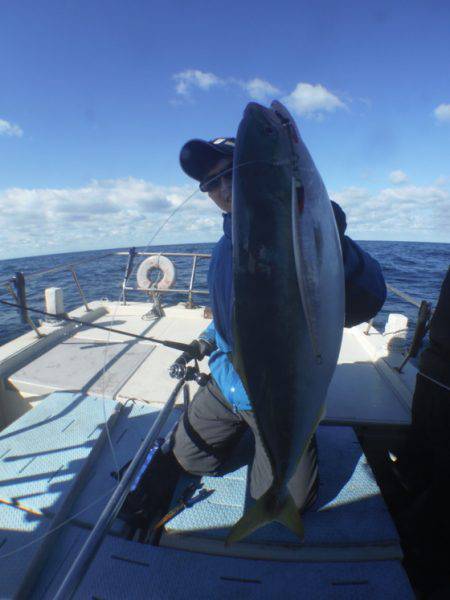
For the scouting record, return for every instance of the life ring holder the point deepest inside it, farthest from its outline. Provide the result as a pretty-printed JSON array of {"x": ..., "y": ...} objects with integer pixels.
[{"x": 154, "y": 263}]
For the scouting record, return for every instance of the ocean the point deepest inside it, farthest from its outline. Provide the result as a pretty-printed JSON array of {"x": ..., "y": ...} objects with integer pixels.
[{"x": 415, "y": 268}]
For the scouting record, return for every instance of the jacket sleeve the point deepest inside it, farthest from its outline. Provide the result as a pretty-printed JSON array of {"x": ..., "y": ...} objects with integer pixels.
[
  {"x": 365, "y": 289},
  {"x": 209, "y": 334}
]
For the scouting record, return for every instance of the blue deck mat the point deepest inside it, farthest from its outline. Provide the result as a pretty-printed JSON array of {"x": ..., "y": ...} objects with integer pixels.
[
  {"x": 349, "y": 511},
  {"x": 59, "y": 561},
  {"x": 124, "y": 569},
  {"x": 129, "y": 431},
  {"x": 44, "y": 458}
]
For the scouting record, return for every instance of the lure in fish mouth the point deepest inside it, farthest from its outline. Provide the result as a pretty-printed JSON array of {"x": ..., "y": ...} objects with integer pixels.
[{"x": 287, "y": 265}]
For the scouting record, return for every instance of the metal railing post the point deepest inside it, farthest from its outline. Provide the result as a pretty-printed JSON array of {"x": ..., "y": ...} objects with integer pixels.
[
  {"x": 189, "y": 303},
  {"x": 422, "y": 325},
  {"x": 27, "y": 316},
  {"x": 403, "y": 296},
  {"x": 128, "y": 270},
  {"x": 369, "y": 325},
  {"x": 83, "y": 297}
]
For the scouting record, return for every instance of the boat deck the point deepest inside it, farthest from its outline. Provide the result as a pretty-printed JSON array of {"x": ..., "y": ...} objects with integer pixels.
[
  {"x": 55, "y": 466},
  {"x": 365, "y": 388},
  {"x": 56, "y": 469}
]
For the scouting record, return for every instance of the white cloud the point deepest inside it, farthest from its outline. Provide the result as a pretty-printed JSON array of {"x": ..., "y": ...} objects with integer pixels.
[
  {"x": 398, "y": 177},
  {"x": 186, "y": 81},
  {"x": 9, "y": 129},
  {"x": 442, "y": 113},
  {"x": 442, "y": 180},
  {"x": 108, "y": 213},
  {"x": 312, "y": 100},
  {"x": 306, "y": 99},
  {"x": 122, "y": 212},
  {"x": 407, "y": 212},
  {"x": 259, "y": 89}
]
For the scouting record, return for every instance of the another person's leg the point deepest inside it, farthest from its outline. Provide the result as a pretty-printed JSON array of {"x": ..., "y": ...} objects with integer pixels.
[
  {"x": 413, "y": 464},
  {"x": 436, "y": 527},
  {"x": 303, "y": 484}
]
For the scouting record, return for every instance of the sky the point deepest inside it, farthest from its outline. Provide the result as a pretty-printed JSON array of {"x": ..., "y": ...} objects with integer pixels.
[{"x": 97, "y": 97}]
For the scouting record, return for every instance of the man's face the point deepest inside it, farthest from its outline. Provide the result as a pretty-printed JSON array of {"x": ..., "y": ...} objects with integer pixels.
[{"x": 221, "y": 194}]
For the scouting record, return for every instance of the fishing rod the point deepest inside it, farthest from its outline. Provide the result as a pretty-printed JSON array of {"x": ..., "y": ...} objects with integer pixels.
[
  {"x": 81, "y": 563},
  {"x": 166, "y": 343}
]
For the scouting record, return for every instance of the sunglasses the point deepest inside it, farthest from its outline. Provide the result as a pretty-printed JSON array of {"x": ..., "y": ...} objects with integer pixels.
[{"x": 213, "y": 182}]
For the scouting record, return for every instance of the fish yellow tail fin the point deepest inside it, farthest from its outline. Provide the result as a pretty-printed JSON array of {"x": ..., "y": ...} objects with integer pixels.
[{"x": 264, "y": 511}]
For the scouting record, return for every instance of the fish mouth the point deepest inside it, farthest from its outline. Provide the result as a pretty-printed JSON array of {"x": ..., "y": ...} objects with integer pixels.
[{"x": 265, "y": 118}]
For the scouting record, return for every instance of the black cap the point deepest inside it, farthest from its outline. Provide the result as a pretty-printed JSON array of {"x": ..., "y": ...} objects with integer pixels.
[{"x": 197, "y": 157}]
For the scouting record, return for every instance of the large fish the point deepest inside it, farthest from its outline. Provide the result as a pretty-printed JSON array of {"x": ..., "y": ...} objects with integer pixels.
[{"x": 289, "y": 298}]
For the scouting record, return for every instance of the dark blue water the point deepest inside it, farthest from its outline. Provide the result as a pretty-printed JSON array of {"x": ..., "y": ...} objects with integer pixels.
[{"x": 415, "y": 268}]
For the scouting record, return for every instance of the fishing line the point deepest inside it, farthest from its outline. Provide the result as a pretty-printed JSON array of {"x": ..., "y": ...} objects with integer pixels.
[
  {"x": 69, "y": 520},
  {"x": 116, "y": 308},
  {"x": 110, "y": 330},
  {"x": 155, "y": 234},
  {"x": 108, "y": 432}
]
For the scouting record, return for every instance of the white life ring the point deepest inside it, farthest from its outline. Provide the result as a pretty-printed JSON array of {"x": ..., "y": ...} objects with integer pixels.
[{"x": 156, "y": 263}]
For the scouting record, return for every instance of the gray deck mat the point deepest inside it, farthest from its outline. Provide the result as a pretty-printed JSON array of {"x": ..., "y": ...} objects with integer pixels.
[
  {"x": 82, "y": 365},
  {"x": 358, "y": 395}
]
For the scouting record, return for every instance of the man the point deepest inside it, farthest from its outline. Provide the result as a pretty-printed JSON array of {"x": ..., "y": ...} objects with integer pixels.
[
  {"x": 220, "y": 412},
  {"x": 423, "y": 466}
]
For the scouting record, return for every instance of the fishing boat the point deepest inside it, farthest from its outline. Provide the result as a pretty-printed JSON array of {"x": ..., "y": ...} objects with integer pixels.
[{"x": 87, "y": 395}]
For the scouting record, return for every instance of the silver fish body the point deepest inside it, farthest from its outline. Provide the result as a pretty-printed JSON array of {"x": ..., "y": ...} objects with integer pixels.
[{"x": 289, "y": 297}]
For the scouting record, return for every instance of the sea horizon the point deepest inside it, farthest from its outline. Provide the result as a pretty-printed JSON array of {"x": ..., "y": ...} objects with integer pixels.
[
  {"x": 417, "y": 268},
  {"x": 121, "y": 248}
]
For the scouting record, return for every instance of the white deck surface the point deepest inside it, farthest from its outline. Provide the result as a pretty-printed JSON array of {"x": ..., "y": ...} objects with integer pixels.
[{"x": 364, "y": 390}]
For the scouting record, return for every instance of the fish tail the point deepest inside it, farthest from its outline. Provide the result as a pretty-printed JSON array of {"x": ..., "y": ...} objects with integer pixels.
[{"x": 264, "y": 511}]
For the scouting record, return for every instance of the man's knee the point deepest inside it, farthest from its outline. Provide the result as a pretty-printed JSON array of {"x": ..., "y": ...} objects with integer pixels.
[{"x": 201, "y": 441}]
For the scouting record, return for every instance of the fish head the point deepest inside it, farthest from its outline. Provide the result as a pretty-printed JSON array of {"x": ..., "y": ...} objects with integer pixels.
[{"x": 262, "y": 137}]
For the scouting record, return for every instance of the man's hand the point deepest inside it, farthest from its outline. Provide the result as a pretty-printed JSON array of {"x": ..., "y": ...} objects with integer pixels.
[
  {"x": 200, "y": 348},
  {"x": 197, "y": 350}
]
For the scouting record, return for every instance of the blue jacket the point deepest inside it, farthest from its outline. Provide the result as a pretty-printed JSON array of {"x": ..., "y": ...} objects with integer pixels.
[{"x": 365, "y": 293}]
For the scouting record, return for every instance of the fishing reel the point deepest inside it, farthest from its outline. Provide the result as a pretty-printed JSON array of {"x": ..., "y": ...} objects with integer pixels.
[{"x": 180, "y": 370}]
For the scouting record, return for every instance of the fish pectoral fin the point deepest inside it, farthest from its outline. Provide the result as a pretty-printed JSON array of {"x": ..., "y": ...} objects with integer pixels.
[{"x": 264, "y": 511}]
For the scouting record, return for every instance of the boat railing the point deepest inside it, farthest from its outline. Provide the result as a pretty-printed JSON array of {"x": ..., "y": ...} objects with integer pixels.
[
  {"x": 190, "y": 291},
  {"x": 16, "y": 285},
  {"x": 424, "y": 315}
]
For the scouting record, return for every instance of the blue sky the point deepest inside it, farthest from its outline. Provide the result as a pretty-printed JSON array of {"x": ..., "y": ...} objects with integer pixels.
[{"x": 97, "y": 97}]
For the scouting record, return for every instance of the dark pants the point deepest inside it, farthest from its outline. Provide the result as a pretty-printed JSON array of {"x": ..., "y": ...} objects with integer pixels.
[
  {"x": 210, "y": 430},
  {"x": 425, "y": 464},
  {"x": 426, "y": 457}
]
